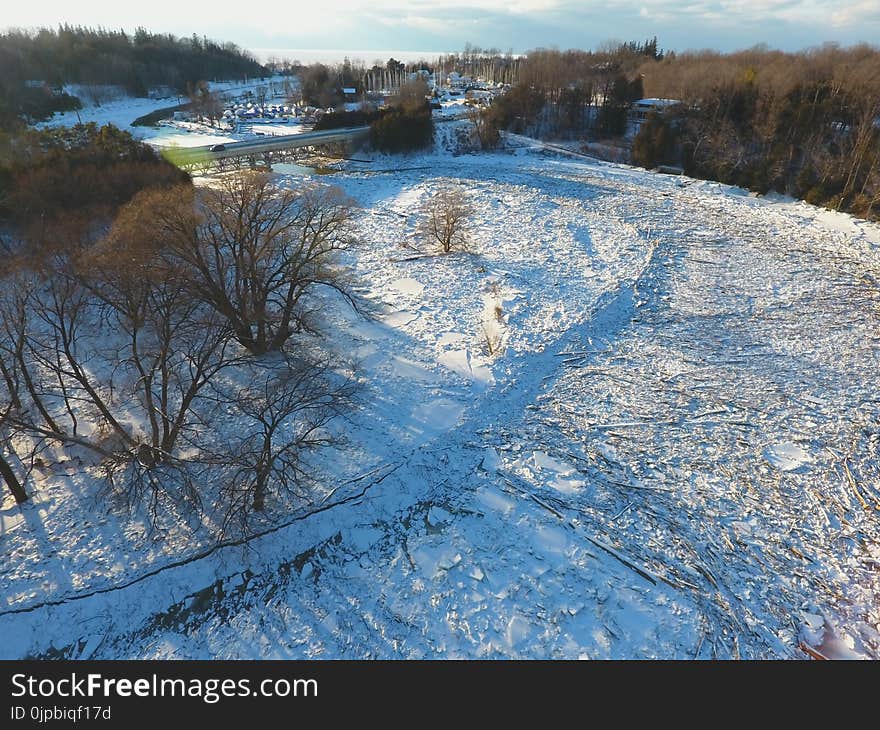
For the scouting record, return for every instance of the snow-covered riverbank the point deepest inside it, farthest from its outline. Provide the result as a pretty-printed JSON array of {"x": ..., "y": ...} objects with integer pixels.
[{"x": 672, "y": 448}]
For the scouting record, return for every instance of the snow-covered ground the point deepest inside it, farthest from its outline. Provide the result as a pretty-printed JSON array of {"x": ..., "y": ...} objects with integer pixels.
[
  {"x": 174, "y": 138},
  {"x": 639, "y": 420},
  {"x": 195, "y": 134},
  {"x": 121, "y": 110}
]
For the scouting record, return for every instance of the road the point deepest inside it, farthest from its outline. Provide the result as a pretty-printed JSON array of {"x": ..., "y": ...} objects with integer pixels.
[{"x": 228, "y": 150}]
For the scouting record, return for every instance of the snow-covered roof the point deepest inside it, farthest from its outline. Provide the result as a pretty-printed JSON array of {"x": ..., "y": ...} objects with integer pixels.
[{"x": 657, "y": 102}]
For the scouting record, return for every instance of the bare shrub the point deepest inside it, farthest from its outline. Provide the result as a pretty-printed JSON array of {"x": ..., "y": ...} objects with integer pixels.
[
  {"x": 445, "y": 220},
  {"x": 492, "y": 325},
  {"x": 484, "y": 132}
]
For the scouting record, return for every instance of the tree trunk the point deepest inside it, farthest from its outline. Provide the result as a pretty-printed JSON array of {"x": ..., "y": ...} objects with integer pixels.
[
  {"x": 12, "y": 481},
  {"x": 259, "y": 503}
]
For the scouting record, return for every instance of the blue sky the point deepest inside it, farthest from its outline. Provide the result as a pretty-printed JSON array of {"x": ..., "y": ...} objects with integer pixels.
[{"x": 506, "y": 24}]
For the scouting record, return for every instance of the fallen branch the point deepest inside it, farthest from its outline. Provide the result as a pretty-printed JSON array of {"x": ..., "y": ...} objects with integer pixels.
[
  {"x": 596, "y": 541},
  {"x": 855, "y": 487},
  {"x": 812, "y": 652},
  {"x": 623, "y": 559},
  {"x": 413, "y": 258},
  {"x": 632, "y": 424}
]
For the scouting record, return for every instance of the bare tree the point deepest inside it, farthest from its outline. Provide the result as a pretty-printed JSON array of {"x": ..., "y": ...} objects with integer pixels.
[
  {"x": 286, "y": 408},
  {"x": 121, "y": 347},
  {"x": 15, "y": 486},
  {"x": 413, "y": 94},
  {"x": 27, "y": 392},
  {"x": 172, "y": 343},
  {"x": 486, "y": 134},
  {"x": 253, "y": 251},
  {"x": 9, "y": 402},
  {"x": 204, "y": 102},
  {"x": 445, "y": 219},
  {"x": 106, "y": 349}
]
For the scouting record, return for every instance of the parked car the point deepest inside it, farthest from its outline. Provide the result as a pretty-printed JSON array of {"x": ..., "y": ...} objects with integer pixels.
[{"x": 217, "y": 147}]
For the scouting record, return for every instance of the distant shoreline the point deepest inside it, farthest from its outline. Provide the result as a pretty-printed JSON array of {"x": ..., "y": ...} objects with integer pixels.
[{"x": 337, "y": 55}]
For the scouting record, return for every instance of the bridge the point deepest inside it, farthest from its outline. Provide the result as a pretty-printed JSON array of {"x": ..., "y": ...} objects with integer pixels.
[{"x": 254, "y": 151}]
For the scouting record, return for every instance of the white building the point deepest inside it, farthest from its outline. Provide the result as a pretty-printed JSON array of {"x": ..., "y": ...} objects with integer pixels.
[{"x": 643, "y": 108}]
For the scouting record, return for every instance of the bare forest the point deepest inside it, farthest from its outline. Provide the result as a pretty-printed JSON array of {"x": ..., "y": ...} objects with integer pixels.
[{"x": 805, "y": 124}]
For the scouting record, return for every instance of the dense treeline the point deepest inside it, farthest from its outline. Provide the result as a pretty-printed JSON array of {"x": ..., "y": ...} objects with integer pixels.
[
  {"x": 574, "y": 93},
  {"x": 805, "y": 124},
  {"x": 322, "y": 86},
  {"x": 356, "y": 118},
  {"x": 62, "y": 182},
  {"x": 19, "y": 104},
  {"x": 404, "y": 125},
  {"x": 137, "y": 62},
  {"x": 403, "y": 129}
]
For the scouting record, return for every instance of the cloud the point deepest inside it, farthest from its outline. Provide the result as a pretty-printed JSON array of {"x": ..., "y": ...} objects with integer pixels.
[
  {"x": 866, "y": 11},
  {"x": 518, "y": 24}
]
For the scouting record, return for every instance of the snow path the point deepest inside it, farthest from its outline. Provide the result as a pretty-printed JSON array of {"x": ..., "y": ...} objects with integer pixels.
[{"x": 662, "y": 464}]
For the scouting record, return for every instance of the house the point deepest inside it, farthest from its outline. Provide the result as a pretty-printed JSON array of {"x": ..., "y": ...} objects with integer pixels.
[
  {"x": 479, "y": 94},
  {"x": 643, "y": 108},
  {"x": 456, "y": 81}
]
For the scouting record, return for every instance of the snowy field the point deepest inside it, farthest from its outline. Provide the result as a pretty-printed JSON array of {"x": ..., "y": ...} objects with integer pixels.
[
  {"x": 122, "y": 110},
  {"x": 170, "y": 137},
  {"x": 640, "y": 420}
]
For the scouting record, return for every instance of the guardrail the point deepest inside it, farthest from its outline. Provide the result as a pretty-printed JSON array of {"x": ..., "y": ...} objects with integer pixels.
[{"x": 209, "y": 153}]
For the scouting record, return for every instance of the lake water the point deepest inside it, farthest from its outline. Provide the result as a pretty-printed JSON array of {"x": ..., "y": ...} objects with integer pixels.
[{"x": 333, "y": 56}]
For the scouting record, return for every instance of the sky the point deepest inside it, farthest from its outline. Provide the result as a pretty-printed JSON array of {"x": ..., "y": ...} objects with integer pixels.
[{"x": 518, "y": 25}]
